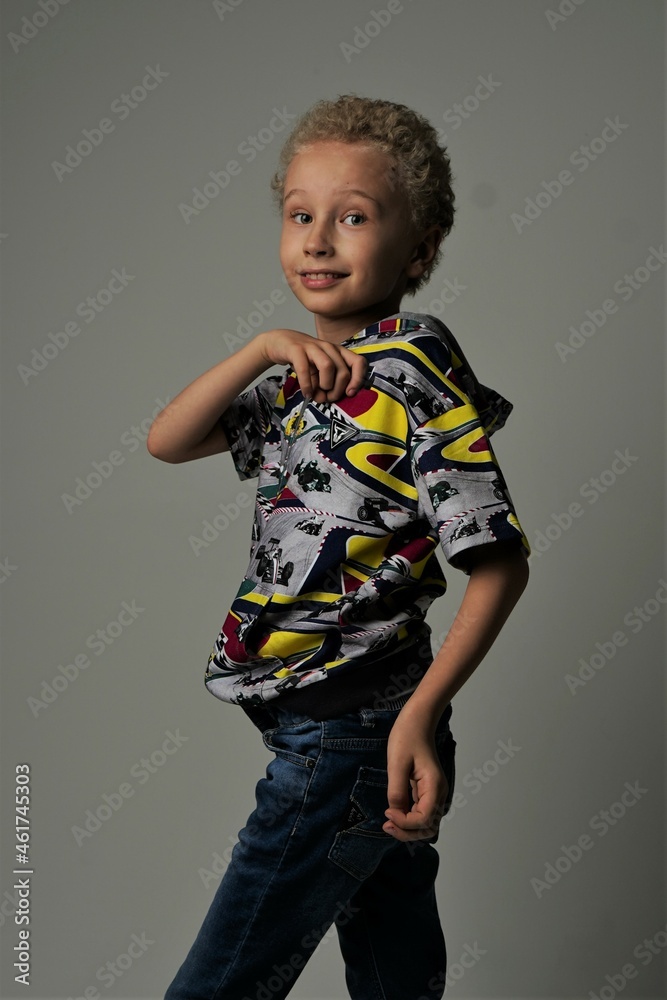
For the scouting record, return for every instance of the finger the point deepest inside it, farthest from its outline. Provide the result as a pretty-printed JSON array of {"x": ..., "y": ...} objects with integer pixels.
[
  {"x": 358, "y": 368},
  {"x": 408, "y": 836},
  {"x": 399, "y": 799},
  {"x": 420, "y": 833},
  {"x": 305, "y": 373},
  {"x": 324, "y": 364},
  {"x": 340, "y": 376},
  {"x": 410, "y": 827},
  {"x": 424, "y": 814},
  {"x": 332, "y": 379},
  {"x": 409, "y": 821},
  {"x": 316, "y": 368}
]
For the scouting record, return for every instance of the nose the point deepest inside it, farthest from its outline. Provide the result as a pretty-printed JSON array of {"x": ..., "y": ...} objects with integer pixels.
[{"x": 318, "y": 242}]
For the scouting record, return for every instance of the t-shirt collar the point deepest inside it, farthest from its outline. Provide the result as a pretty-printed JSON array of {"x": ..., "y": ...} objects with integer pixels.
[{"x": 392, "y": 324}]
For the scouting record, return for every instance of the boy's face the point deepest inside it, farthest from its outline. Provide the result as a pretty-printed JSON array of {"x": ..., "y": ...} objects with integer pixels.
[{"x": 347, "y": 245}]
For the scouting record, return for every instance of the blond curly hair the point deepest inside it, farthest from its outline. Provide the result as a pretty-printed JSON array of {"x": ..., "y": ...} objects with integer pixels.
[{"x": 422, "y": 165}]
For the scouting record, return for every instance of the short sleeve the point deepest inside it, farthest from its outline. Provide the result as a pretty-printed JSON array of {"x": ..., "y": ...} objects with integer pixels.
[
  {"x": 461, "y": 488},
  {"x": 247, "y": 421}
]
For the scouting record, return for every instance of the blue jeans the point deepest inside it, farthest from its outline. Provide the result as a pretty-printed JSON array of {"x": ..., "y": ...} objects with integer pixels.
[{"x": 313, "y": 853}]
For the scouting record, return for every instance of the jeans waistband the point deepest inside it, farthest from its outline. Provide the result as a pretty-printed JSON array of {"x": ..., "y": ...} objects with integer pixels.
[{"x": 390, "y": 703}]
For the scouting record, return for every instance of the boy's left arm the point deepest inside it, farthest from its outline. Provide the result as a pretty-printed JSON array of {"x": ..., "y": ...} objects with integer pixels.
[{"x": 498, "y": 576}]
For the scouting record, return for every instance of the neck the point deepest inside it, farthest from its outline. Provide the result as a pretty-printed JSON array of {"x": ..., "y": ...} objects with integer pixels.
[{"x": 336, "y": 330}]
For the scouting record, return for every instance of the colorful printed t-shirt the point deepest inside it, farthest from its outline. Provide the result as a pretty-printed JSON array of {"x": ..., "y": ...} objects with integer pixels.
[{"x": 353, "y": 499}]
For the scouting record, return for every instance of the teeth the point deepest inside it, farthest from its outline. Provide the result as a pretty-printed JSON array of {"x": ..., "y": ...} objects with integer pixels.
[{"x": 321, "y": 274}]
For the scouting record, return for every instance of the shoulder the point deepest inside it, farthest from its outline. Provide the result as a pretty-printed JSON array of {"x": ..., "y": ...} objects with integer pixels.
[
  {"x": 418, "y": 360},
  {"x": 417, "y": 346}
]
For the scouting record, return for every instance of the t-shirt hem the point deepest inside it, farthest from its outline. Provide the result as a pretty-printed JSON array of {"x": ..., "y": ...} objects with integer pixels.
[{"x": 367, "y": 686}]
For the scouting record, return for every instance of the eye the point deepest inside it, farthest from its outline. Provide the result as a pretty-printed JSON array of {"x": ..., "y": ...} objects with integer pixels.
[
  {"x": 356, "y": 215},
  {"x": 294, "y": 215}
]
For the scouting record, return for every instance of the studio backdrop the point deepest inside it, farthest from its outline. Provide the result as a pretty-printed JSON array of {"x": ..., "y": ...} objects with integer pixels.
[{"x": 140, "y": 248}]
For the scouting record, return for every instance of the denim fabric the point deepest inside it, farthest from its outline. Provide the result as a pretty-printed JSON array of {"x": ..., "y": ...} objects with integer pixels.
[{"x": 313, "y": 854}]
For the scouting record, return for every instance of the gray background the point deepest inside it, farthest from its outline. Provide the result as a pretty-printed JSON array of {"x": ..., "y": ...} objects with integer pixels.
[{"x": 66, "y": 573}]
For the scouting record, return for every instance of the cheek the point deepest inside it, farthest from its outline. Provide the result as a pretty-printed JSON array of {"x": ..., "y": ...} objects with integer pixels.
[{"x": 284, "y": 250}]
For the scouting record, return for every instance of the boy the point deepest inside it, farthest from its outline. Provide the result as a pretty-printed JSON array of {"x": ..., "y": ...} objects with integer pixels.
[{"x": 371, "y": 449}]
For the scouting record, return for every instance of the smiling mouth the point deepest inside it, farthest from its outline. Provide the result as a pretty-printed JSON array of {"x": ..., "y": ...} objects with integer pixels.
[{"x": 321, "y": 275}]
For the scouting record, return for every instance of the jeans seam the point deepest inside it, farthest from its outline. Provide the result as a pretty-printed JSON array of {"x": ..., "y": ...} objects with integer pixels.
[
  {"x": 307, "y": 790},
  {"x": 377, "y": 982},
  {"x": 287, "y": 846}
]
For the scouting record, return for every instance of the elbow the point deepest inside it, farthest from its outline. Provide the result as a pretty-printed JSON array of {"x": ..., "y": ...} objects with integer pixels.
[
  {"x": 152, "y": 444},
  {"x": 153, "y": 448}
]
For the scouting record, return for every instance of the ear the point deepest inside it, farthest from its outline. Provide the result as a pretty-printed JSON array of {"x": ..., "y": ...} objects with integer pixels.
[{"x": 424, "y": 252}]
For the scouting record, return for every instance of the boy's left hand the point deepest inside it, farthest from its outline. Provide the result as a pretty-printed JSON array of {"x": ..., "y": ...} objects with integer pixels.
[{"x": 412, "y": 762}]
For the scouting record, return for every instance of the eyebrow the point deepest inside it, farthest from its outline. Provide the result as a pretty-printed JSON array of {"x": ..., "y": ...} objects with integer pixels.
[{"x": 357, "y": 191}]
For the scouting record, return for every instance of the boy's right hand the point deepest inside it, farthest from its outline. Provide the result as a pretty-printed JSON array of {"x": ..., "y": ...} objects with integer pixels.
[{"x": 325, "y": 372}]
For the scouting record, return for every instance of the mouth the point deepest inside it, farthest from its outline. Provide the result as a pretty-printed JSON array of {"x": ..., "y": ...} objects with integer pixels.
[{"x": 320, "y": 279}]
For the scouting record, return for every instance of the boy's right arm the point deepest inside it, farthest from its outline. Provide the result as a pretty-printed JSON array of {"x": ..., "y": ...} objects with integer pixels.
[{"x": 189, "y": 427}]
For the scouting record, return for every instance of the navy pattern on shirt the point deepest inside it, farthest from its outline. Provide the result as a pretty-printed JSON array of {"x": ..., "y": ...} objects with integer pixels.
[{"x": 353, "y": 499}]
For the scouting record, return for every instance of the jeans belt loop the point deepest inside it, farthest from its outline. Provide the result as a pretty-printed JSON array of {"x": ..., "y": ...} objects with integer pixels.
[
  {"x": 390, "y": 703},
  {"x": 367, "y": 716}
]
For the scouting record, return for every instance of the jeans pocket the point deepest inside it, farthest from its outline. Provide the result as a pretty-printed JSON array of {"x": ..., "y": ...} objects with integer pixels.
[
  {"x": 360, "y": 842},
  {"x": 284, "y": 741}
]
